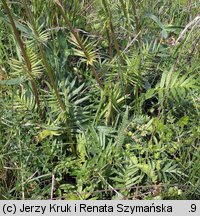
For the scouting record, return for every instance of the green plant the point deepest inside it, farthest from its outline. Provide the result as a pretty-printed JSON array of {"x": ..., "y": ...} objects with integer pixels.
[{"x": 99, "y": 99}]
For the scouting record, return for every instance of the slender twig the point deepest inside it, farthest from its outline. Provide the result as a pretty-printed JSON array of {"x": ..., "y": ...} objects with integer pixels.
[
  {"x": 132, "y": 41},
  {"x": 192, "y": 24},
  {"x": 52, "y": 184}
]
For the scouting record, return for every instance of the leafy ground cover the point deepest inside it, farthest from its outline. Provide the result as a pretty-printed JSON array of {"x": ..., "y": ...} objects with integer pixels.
[{"x": 99, "y": 99}]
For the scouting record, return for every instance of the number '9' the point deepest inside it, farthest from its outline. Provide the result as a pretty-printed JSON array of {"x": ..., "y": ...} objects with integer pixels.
[{"x": 193, "y": 208}]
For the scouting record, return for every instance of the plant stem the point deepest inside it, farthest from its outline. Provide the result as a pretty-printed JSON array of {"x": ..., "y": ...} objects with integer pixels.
[
  {"x": 73, "y": 31},
  {"x": 125, "y": 11},
  {"x": 24, "y": 54},
  {"x": 116, "y": 44},
  {"x": 110, "y": 44},
  {"x": 48, "y": 68},
  {"x": 50, "y": 74},
  {"x": 138, "y": 27}
]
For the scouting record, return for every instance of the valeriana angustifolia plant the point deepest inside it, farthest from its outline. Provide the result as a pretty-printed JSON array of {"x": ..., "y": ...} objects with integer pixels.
[{"x": 99, "y": 99}]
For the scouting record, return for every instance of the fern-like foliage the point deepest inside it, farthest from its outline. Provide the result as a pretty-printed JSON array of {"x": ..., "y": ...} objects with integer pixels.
[
  {"x": 121, "y": 132},
  {"x": 19, "y": 68},
  {"x": 74, "y": 99},
  {"x": 132, "y": 74},
  {"x": 42, "y": 35},
  {"x": 24, "y": 102},
  {"x": 112, "y": 101},
  {"x": 87, "y": 52},
  {"x": 175, "y": 85}
]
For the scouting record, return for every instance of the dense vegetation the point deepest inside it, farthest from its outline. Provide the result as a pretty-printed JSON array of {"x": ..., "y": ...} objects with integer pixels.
[{"x": 99, "y": 99}]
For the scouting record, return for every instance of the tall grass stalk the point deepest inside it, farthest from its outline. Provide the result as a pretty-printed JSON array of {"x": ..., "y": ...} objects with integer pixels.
[
  {"x": 24, "y": 54},
  {"x": 126, "y": 14},
  {"x": 47, "y": 66},
  {"x": 137, "y": 22},
  {"x": 73, "y": 31},
  {"x": 51, "y": 75},
  {"x": 114, "y": 38}
]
